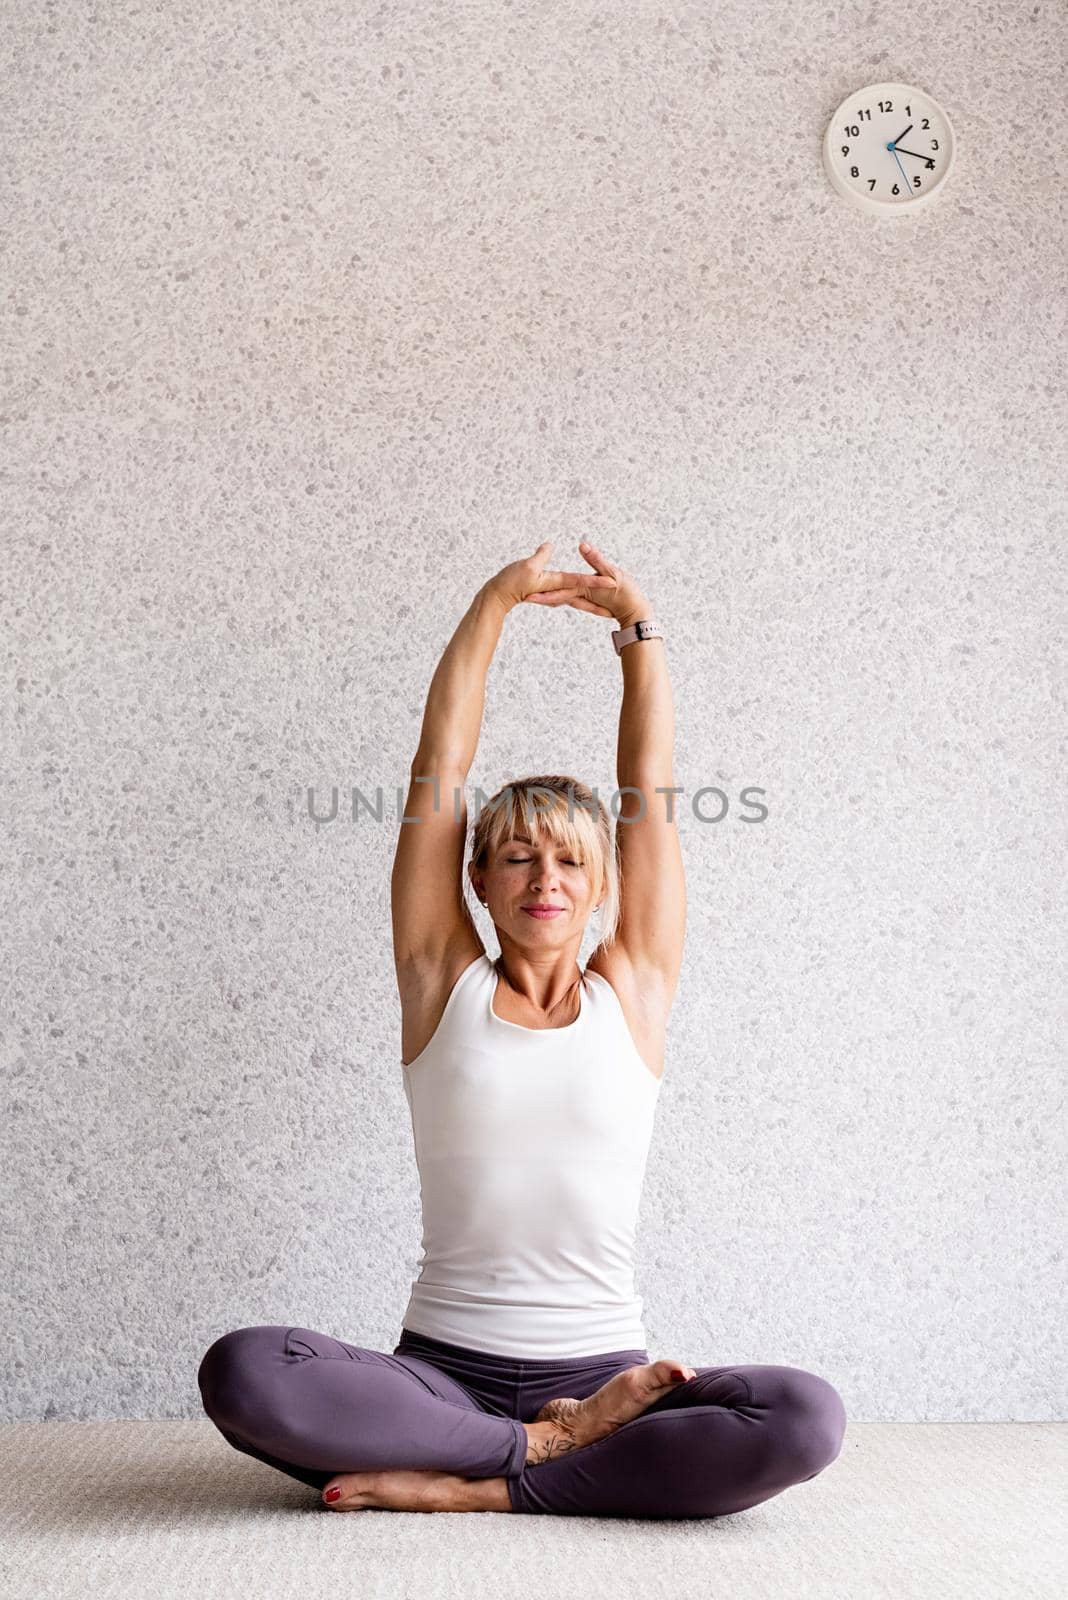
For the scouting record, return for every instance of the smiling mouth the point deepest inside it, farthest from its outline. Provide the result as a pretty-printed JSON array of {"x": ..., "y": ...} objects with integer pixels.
[{"x": 544, "y": 913}]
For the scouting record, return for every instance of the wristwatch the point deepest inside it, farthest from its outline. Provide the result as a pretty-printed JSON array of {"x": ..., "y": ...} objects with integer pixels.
[{"x": 621, "y": 637}]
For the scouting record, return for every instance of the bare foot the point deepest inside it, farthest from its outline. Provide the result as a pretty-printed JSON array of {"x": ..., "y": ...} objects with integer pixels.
[
  {"x": 397, "y": 1489},
  {"x": 622, "y": 1398}
]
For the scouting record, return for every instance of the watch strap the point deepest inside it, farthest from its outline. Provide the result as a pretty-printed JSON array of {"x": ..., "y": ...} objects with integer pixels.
[{"x": 621, "y": 637}]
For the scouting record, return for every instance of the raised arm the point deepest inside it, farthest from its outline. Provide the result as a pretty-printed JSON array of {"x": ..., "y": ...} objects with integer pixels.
[
  {"x": 430, "y": 914},
  {"x": 652, "y": 926}
]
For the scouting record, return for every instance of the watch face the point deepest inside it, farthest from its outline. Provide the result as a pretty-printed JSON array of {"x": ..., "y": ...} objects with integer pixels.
[{"x": 888, "y": 146}]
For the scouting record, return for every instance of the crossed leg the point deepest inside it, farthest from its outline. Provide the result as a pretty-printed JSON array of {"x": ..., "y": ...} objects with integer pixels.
[
  {"x": 726, "y": 1440},
  {"x": 312, "y": 1407}
]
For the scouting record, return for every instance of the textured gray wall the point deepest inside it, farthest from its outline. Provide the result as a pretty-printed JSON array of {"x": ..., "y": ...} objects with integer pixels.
[{"x": 313, "y": 317}]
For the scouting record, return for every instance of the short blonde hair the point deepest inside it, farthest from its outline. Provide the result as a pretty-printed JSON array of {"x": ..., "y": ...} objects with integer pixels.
[{"x": 539, "y": 807}]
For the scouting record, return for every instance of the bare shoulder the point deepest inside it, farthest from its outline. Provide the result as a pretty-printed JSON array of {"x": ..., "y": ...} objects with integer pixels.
[
  {"x": 425, "y": 985},
  {"x": 645, "y": 996}
]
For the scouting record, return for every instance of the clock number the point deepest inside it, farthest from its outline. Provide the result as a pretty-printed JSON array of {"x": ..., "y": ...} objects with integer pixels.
[{"x": 853, "y": 132}]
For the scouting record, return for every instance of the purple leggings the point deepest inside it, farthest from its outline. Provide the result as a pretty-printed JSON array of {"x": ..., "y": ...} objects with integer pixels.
[{"x": 313, "y": 1406}]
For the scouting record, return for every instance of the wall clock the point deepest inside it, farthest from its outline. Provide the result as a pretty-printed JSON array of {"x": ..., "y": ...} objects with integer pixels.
[{"x": 889, "y": 148}]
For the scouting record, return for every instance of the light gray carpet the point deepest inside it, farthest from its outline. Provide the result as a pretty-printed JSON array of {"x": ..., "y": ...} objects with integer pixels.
[{"x": 151, "y": 1510}]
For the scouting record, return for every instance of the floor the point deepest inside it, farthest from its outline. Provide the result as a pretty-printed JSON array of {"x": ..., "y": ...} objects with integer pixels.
[{"x": 151, "y": 1510}]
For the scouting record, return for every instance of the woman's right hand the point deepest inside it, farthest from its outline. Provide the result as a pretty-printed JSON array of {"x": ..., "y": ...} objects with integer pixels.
[{"x": 521, "y": 579}]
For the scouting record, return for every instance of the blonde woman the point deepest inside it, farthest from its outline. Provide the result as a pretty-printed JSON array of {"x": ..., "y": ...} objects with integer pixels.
[{"x": 521, "y": 1380}]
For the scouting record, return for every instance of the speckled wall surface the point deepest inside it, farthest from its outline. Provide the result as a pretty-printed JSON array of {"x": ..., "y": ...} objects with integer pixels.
[{"x": 313, "y": 317}]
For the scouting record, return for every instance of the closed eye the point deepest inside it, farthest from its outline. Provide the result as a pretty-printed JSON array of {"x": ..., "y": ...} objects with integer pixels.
[{"x": 518, "y": 860}]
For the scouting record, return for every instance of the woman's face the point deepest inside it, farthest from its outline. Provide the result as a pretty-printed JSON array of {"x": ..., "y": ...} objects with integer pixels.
[{"x": 522, "y": 874}]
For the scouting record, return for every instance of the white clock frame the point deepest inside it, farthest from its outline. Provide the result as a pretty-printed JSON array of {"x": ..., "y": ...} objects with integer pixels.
[{"x": 863, "y": 104}]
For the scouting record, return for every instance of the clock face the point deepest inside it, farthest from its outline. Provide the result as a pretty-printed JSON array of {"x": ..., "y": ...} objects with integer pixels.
[{"x": 888, "y": 146}]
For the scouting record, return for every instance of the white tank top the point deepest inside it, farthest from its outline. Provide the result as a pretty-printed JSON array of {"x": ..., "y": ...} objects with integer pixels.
[{"x": 531, "y": 1145}]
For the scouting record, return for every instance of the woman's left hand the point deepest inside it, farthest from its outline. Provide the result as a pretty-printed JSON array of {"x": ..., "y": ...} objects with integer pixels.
[{"x": 624, "y": 601}]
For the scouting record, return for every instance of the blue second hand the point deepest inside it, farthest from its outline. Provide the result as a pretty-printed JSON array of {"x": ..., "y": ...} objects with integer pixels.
[{"x": 893, "y": 151}]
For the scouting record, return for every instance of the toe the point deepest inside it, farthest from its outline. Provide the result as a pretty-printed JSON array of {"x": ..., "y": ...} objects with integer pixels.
[{"x": 675, "y": 1371}]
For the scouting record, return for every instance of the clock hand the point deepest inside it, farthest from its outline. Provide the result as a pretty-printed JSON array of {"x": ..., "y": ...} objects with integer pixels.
[
  {"x": 929, "y": 160},
  {"x": 892, "y": 147},
  {"x": 904, "y": 174}
]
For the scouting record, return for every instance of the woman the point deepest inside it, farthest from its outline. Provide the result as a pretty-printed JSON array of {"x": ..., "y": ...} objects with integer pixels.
[{"x": 521, "y": 1381}]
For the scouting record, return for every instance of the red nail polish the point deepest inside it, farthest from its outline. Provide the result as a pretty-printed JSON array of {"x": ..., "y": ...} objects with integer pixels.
[{"x": 332, "y": 1494}]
